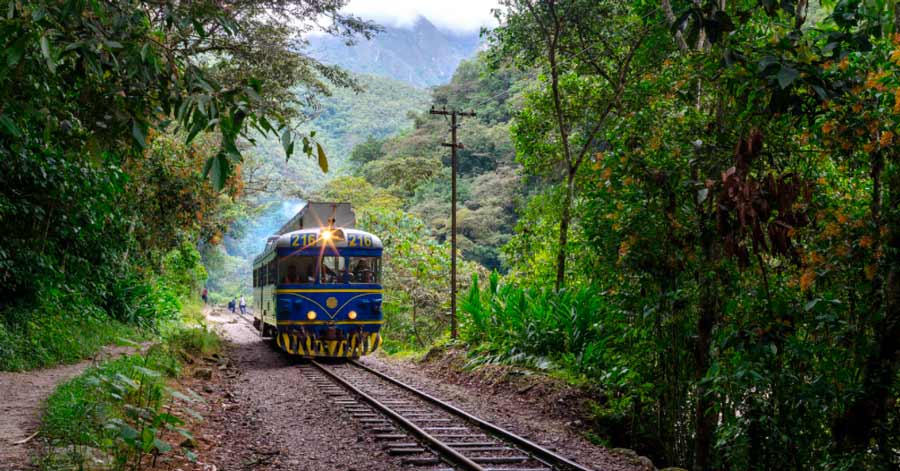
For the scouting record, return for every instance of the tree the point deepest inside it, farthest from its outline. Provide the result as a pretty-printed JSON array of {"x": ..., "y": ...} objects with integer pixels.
[{"x": 587, "y": 49}]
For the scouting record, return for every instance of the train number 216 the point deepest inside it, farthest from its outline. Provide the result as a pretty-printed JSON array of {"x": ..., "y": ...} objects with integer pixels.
[{"x": 354, "y": 240}]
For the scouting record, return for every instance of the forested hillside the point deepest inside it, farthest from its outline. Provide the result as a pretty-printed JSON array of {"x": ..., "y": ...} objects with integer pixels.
[{"x": 414, "y": 167}]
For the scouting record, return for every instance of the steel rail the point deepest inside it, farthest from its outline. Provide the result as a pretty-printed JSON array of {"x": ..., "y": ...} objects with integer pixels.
[
  {"x": 445, "y": 451},
  {"x": 528, "y": 446}
]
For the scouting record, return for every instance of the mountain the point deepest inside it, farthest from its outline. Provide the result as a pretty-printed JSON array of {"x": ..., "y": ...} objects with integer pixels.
[
  {"x": 421, "y": 55},
  {"x": 381, "y": 110}
]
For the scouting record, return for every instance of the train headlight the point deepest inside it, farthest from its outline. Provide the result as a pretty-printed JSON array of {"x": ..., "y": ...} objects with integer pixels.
[
  {"x": 351, "y": 315},
  {"x": 311, "y": 315},
  {"x": 326, "y": 235}
]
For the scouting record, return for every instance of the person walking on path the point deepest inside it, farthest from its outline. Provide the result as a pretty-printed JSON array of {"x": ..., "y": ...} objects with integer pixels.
[
  {"x": 243, "y": 305},
  {"x": 232, "y": 304},
  {"x": 205, "y": 295}
]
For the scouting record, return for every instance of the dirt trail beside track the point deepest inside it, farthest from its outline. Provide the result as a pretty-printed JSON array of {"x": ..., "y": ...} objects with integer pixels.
[{"x": 22, "y": 397}]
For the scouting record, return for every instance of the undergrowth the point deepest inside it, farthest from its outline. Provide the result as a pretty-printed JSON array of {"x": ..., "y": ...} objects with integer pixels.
[
  {"x": 123, "y": 414},
  {"x": 60, "y": 329}
]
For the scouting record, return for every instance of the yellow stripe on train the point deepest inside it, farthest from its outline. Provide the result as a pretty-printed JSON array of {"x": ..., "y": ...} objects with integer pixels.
[{"x": 310, "y": 347}]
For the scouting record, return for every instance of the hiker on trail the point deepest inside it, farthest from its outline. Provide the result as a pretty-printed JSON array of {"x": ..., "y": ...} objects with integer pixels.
[
  {"x": 243, "y": 305},
  {"x": 205, "y": 295},
  {"x": 231, "y": 305}
]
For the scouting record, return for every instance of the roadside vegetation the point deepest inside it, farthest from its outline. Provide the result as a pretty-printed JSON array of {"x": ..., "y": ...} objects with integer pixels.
[{"x": 130, "y": 412}]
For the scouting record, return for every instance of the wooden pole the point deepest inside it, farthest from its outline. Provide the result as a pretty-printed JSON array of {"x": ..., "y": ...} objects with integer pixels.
[{"x": 453, "y": 145}]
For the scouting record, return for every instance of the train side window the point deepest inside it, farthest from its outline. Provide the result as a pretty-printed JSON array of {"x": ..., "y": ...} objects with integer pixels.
[
  {"x": 273, "y": 273},
  {"x": 254, "y": 278},
  {"x": 365, "y": 269}
]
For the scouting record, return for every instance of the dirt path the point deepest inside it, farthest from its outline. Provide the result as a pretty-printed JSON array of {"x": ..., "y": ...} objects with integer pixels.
[
  {"x": 22, "y": 396},
  {"x": 265, "y": 415}
]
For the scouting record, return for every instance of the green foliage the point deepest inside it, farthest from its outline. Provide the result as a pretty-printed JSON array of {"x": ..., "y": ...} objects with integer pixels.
[
  {"x": 415, "y": 168},
  {"x": 734, "y": 220},
  {"x": 121, "y": 413},
  {"x": 416, "y": 306},
  {"x": 61, "y": 328}
]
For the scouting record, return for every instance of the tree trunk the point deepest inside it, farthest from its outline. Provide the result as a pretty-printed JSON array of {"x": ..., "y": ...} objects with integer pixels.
[
  {"x": 865, "y": 417},
  {"x": 564, "y": 231},
  {"x": 705, "y": 420}
]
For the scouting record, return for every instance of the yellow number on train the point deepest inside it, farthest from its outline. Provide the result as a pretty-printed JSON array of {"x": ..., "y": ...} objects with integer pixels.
[
  {"x": 367, "y": 241},
  {"x": 351, "y": 241},
  {"x": 295, "y": 241}
]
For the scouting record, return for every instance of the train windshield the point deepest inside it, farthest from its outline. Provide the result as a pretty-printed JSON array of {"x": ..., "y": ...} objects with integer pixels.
[
  {"x": 333, "y": 270},
  {"x": 365, "y": 269},
  {"x": 297, "y": 269}
]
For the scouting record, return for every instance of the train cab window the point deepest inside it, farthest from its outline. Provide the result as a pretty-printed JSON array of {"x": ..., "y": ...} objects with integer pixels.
[
  {"x": 333, "y": 270},
  {"x": 255, "y": 278},
  {"x": 365, "y": 270},
  {"x": 297, "y": 270}
]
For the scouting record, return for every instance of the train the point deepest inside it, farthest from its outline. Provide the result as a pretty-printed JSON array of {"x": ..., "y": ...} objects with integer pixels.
[{"x": 317, "y": 289}]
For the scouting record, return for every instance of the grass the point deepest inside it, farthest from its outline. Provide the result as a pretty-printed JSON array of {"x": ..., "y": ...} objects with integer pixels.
[
  {"x": 121, "y": 414},
  {"x": 50, "y": 337}
]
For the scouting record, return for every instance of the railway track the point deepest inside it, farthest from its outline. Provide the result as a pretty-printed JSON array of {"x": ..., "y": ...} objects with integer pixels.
[{"x": 424, "y": 431}]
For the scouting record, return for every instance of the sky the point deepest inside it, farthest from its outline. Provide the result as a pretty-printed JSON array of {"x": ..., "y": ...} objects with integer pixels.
[{"x": 460, "y": 16}]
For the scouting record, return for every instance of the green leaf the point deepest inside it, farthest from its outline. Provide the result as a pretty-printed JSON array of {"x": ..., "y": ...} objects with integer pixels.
[
  {"x": 286, "y": 141},
  {"x": 217, "y": 169},
  {"x": 140, "y": 136},
  {"x": 786, "y": 76},
  {"x": 45, "y": 50},
  {"x": 811, "y": 305},
  {"x": 10, "y": 126},
  {"x": 127, "y": 433},
  {"x": 162, "y": 446},
  {"x": 178, "y": 394},
  {"x": 147, "y": 372},
  {"x": 323, "y": 160},
  {"x": 15, "y": 52}
]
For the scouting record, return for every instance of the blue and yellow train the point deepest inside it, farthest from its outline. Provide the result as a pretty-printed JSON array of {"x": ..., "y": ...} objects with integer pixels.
[{"x": 317, "y": 292}]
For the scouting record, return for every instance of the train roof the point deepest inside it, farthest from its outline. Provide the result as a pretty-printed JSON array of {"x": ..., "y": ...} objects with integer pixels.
[{"x": 345, "y": 238}]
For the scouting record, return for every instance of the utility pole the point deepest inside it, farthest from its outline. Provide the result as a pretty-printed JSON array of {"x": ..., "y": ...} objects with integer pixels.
[{"x": 453, "y": 145}]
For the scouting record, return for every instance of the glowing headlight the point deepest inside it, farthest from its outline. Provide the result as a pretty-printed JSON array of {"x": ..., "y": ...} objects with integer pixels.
[
  {"x": 311, "y": 315},
  {"x": 351, "y": 315},
  {"x": 326, "y": 235}
]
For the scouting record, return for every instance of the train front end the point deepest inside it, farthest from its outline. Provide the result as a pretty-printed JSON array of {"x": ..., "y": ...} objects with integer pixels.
[{"x": 329, "y": 293}]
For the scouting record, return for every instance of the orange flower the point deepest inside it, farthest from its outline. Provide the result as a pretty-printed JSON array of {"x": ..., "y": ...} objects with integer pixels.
[
  {"x": 895, "y": 56},
  {"x": 827, "y": 127},
  {"x": 845, "y": 62},
  {"x": 886, "y": 138},
  {"x": 869, "y": 146},
  {"x": 807, "y": 279},
  {"x": 896, "y": 39},
  {"x": 607, "y": 172},
  {"x": 866, "y": 242},
  {"x": 897, "y": 101},
  {"x": 842, "y": 218}
]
